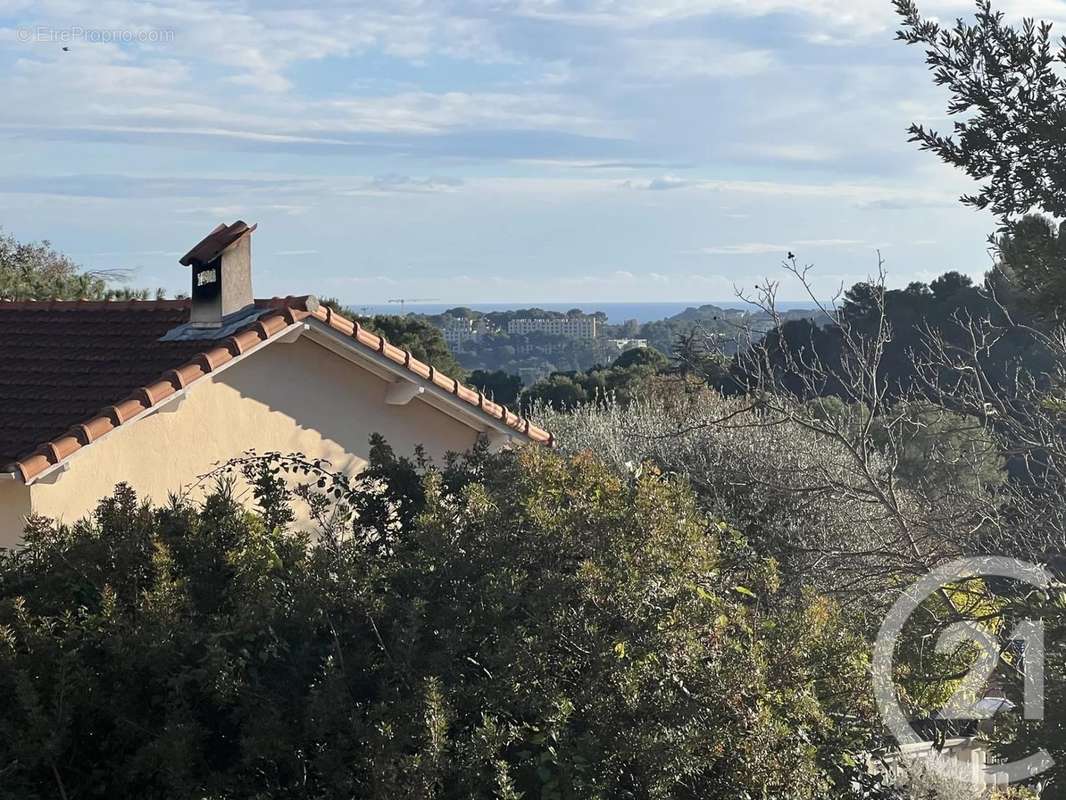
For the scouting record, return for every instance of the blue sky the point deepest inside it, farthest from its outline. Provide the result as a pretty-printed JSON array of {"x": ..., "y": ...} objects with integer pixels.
[{"x": 486, "y": 150}]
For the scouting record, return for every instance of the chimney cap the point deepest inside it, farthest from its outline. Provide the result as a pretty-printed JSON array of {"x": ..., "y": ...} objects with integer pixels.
[{"x": 212, "y": 245}]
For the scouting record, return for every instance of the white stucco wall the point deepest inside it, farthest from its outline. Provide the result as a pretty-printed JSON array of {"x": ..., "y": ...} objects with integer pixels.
[
  {"x": 14, "y": 506},
  {"x": 288, "y": 397}
]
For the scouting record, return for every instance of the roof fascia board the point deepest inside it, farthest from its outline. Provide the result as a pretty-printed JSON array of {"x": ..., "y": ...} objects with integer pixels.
[
  {"x": 294, "y": 333},
  {"x": 179, "y": 395},
  {"x": 389, "y": 371}
]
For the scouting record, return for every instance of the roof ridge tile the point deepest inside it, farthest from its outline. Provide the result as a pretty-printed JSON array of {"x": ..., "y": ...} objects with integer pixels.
[{"x": 93, "y": 305}]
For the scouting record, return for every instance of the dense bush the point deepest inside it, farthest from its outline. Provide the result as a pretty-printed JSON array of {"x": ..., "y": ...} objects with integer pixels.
[
  {"x": 634, "y": 374},
  {"x": 513, "y": 625}
]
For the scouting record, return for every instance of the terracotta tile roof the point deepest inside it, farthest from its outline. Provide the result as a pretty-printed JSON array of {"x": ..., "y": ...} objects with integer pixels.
[{"x": 71, "y": 372}]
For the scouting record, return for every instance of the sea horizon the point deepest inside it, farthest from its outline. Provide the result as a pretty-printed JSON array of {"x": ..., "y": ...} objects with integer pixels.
[{"x": 617, "y": 312}]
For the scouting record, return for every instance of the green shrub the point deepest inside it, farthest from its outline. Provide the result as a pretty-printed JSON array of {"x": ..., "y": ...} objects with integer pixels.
[{"x": 512, "y": 625}]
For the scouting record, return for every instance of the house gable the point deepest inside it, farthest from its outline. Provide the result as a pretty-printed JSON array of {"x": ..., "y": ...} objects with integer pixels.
[
  {"x": 288, "y": 397},
  {"x": 276, "y": 320}
]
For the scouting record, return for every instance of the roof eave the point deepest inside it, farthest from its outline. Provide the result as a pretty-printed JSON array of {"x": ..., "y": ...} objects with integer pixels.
[
  {"x": 467, "y": 403},
  {"x": 432, "y": 394},
  {"x": 31, "y": 475}
]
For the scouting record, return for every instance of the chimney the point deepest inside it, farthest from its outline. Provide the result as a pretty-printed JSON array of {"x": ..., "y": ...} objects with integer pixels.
[{"x": 221, "y": 274}]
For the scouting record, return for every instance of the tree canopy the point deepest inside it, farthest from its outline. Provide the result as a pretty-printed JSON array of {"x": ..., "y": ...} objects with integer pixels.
[
  {"x": 498, "y": 385},
  {"x": 424, "y": 340},
  {"x": 36, "y": 271},
  {"x": 1008, "y": 94},
  {"x": 1009, "y": 97},
  {"x": 513, "y": 625},
  {"x": 1032, "y": 265}
]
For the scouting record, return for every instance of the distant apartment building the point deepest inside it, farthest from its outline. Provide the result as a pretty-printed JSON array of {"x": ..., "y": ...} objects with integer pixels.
[
  {"x": 460, "y": 331},
  {"x": 583, "y": 327}
]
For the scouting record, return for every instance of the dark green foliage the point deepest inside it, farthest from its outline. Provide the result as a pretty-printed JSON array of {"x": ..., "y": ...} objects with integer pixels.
[
  {"x": 945, "y": 308},
  {"x": 1032, "y": 263},
  {"x": 409, "y": 332},
  {"x": 706, "y": 322},
  {"x": 630, "y": 375},
  {"x": 641, "y": 357},
  {"x": 511, "y": 353},
  {"x": 789, "y": 351},
  {"x": 501, "y": 351},
  {"x": 930, "y": 445},
  {"x": 1008, "y": 88},
  {"x": 634, "y": 373},
  {"x": 498, "y": 385},
  {"x": 1009, "y": 93},
  {"x": 936, "y": 452},
  {"x": 562, "y": 390},
  {"x": 946, "y": 286},
  {"x": 513, "y": 625}
]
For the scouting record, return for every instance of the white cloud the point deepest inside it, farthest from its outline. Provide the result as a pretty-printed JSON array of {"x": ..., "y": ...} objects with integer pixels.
[
  {"x": 865, "y": 14},
  {"x": 667, "y": 182},
  {"x": 259, "y": 42},
  {"x": 794, "y": 151},
  {"x": 855, "y": 17},
  {"x": 392, "y": 183},
  {"x": 870, "y": 195},
  {"x": 672, "y": 59},
  {"x": 425, "y": 112},
  {"x": 762, "y": 248}
]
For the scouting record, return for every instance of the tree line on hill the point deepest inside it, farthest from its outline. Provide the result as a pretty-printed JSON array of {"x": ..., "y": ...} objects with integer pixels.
[
  {"x": 941, "y": 308},
  {"x": 495, "y": 350}
]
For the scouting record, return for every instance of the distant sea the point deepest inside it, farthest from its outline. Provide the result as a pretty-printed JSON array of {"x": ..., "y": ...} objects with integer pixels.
[{"x": 617, "y": 313}]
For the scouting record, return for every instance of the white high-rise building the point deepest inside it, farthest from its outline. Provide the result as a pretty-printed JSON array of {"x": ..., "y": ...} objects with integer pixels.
[{"x": 583, "y": 327}]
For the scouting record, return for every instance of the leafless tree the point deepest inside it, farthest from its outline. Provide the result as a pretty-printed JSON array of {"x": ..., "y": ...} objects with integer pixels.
[{"x": 818, "y": 455}]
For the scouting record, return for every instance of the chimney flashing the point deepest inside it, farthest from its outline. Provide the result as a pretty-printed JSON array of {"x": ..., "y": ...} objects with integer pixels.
[{"x": 231, "y": 324}]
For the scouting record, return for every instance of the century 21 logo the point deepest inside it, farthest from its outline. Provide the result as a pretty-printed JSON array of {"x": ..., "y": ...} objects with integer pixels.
[{"x": 962, "y": 705}]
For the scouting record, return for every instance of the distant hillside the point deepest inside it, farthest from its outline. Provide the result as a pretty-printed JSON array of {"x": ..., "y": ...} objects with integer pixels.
[{"x": 708, "y": 312}]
